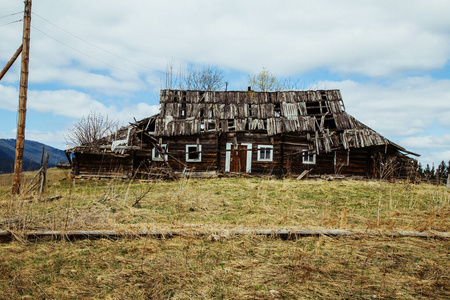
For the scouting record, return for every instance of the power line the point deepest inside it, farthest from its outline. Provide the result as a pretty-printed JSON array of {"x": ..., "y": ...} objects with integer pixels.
[
  {"x": 11, "y": 22},
  {"x": 11, "y": 15},
  {"x": 93, "y": 45},
  {"x": 85, "y": 54}
]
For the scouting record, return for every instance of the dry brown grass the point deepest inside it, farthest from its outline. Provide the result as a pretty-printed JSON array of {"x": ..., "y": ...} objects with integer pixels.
[
  {"x": 237, "y": 268},
  {"x": 245, "y": 267}
]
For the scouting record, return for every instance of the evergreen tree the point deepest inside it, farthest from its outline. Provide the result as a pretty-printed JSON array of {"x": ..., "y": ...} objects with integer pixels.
[
  {"x": 432, "y": 172},
  {"x": 442, "y": 169}
]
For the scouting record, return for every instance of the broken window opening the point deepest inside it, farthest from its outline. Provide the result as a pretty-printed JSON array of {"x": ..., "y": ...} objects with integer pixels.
[
  {"x": 151, "y": 127},
  {"x": 277, "y": 110},
  {"x": 250, "y": 110},
  {"x": 211, "y": 125},
  {"x": 157, "y": 156},
  {"x": 183, "y": 110},
  {"x": 193, "y": 153},
  {"x": 313, "y": 108}
]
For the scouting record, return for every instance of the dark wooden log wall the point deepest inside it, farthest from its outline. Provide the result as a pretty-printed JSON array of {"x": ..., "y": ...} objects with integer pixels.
[{"x": 103, "y": 164}]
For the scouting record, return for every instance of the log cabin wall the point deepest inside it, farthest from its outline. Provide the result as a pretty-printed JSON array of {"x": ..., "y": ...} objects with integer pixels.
[
  {"x": 87, "y": 164},
  {"x": 279, "y": 133}
]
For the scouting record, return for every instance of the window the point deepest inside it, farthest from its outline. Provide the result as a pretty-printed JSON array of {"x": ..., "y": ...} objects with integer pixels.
[
  {"x": 156, "y": 156},
  {"x": 193, "y": 153},
  {"x": 183, "y": 110},
  {"x": 265, "y": 152},
  {"x": 309, "y": 157},
  {"x": 277, "y": 110},
  {"x": 341, "y": 158}
]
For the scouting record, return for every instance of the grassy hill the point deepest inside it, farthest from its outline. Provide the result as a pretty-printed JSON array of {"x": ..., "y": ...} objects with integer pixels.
[
  {"x": 219, "y": 265},
  {"x": 31, "y": 156}
]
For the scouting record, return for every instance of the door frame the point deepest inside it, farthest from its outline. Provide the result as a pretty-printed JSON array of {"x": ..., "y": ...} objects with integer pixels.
[{"x": 248, "y": 168}]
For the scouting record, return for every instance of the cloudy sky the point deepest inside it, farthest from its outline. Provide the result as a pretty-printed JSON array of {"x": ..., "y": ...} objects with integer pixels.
[{"x": 390, "y": 59}]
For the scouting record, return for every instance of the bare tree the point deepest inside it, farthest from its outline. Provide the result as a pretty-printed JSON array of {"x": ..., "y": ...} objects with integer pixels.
[
  {"x": 202, "y": 78},
  {"x": 90, "y": 129},
  {"x": 173, "y": 78},
  {"x": 206, "y": 78}
]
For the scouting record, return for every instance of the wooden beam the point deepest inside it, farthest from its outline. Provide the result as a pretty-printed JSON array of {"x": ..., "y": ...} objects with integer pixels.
[
  {"x": 8, "y": 236},
  {"x": 10, "y": 62}
]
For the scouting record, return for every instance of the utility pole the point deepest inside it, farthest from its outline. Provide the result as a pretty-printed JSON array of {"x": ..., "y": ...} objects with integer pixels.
[{"x": 20, "y": 140}]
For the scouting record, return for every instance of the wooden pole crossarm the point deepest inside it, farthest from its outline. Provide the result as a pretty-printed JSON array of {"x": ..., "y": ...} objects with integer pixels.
[{"x": 11, "y": 62}]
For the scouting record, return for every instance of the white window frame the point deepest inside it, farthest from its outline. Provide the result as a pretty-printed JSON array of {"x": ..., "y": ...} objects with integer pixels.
[
  {"x": 306, "y": 160},
  {"x": 199, "y": 149},
  {"x": 159, "y": 157},
  {"x": 348, "y": 158},
  {"x": 265, "y": 147}
]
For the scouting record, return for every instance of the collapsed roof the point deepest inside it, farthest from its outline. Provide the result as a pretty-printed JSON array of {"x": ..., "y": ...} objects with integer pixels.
[{"x": 320, "y": 114}]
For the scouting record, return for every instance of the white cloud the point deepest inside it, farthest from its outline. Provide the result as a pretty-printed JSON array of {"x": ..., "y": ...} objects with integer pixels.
[
  {"x": 8, "y": 97},
  {"x": 372, "y": 38},
  {"x": 401, "y": 108},
  {"x": 428, "y": 142}
]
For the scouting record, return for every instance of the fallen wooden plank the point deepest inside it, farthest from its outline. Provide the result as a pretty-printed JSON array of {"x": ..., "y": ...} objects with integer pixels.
[
  {"x": 303, "y": 174},
  {"x": 8, "y": 236}
]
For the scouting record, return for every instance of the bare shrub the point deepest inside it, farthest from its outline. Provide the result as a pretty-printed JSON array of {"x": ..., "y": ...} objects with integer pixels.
[{"x": 90, "y": 129}]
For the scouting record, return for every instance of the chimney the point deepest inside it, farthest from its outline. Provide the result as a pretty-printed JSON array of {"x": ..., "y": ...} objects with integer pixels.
[{"x": 249, "y": 88}]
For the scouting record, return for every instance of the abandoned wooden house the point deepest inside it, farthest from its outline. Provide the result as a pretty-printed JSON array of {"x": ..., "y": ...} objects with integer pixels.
[{"x": 269, "y": 133}]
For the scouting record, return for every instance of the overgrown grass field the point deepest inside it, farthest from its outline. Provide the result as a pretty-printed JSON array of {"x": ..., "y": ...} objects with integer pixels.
[{"x": 229, "y": 267}]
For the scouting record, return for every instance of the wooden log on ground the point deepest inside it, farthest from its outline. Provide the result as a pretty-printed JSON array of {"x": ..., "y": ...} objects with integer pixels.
[{"x": 8, "y": 236}]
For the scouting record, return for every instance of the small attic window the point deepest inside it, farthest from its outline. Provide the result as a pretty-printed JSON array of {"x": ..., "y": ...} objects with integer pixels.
[
  {"x": 313, "y": 108},
  {"x": 183, "y": 110},
  {"x": 211, "y": 126},
  {"x": 277, "y": 110}
]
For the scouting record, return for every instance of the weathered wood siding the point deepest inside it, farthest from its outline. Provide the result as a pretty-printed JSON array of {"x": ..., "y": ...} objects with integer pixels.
[{"x": 102, "y": 164}]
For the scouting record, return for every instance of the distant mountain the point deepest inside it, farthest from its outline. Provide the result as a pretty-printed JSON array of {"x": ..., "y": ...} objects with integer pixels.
[{"x": 31, "y": 155}]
